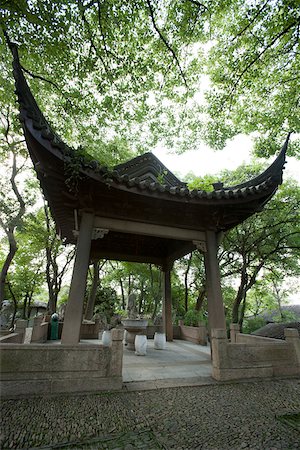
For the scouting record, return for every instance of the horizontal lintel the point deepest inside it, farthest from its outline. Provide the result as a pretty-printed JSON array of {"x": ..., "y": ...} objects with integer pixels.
[{"x": 148, "y": 229}]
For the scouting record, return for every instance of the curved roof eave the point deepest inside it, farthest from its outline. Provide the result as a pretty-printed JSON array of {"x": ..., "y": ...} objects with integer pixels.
[{"x": 263, "y": 186}]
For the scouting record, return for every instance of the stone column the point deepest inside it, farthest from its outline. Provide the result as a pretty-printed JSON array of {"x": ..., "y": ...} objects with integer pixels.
[
  {"x": 116, "y": 362},
  {"x": 74, "y": 310},
  {"x": 219, "y": 345},
  {"x": 21, "y": 326},
  {"x": 216, "y": 315},
  {"x": 234, "y": 330},
  {"x": 167, "y": 304}
]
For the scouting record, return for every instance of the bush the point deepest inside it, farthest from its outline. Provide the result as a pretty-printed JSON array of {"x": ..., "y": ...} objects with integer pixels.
[
  {"x": 192, "y": 318},
  {"x": 253, "y": 324}
]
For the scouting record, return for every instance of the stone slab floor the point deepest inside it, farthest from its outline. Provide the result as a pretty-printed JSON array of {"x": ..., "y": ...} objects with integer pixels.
[
  {"x": 231, "y": 416},
  {"x": 181, "y": 360}
]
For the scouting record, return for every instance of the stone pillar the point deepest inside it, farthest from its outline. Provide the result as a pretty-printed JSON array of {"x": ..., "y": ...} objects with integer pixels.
[
  {"x": 74, "y": 310},
  {"x": 219, "y": 344},
  {"x": 117, "y": 336},
  {"x": 234, "y": 330},
  {"x": 21, "y": 326},
  {"x": 40, "y": 328},
  {"x": 167, "y": 304},
  {"x": 216, "y": 315}
]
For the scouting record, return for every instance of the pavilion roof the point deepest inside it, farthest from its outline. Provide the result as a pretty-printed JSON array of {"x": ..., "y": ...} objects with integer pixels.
[{"x": 141, "y": 190}]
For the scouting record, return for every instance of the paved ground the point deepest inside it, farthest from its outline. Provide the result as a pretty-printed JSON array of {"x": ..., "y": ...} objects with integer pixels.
[
  {"x": 211, "y": 417},
  {"x": 180, "y": 360}
]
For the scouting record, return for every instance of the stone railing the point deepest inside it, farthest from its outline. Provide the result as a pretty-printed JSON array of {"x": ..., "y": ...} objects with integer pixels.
[
  {"x": 249, "y": 357},
  {"x": 24, "y": 333},
  {"x": 32, "y": 369},
  {"x": 198, "y": 335}
]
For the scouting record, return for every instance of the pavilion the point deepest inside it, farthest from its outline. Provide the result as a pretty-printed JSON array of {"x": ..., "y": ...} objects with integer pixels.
[{"x": 139, "y": 211}]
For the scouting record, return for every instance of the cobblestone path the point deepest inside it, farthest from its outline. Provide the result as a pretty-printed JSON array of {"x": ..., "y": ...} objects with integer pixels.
[{"x": 216, "y": 417}]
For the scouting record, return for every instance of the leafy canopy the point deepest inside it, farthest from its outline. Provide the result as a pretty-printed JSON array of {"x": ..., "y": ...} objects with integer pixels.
[{"x": 132, "y": 72}]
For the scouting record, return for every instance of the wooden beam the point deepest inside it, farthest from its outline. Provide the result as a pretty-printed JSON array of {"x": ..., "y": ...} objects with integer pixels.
[
  {"x": 148, "y": 229},
  {"x": 95, "y": 255}
]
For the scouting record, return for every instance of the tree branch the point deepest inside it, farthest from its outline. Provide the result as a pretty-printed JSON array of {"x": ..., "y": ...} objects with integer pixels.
[
  {"x": 165, "y": 42},
  {"x": 259, "y": 55},
  {"x": 250, "y": 22},
  {"x": 39, "y": 77},
  {"x": 200, "y": 5}
]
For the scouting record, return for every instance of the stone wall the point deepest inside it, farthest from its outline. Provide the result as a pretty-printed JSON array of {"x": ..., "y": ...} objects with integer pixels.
[
  {"x": 90, "y": 330},
  {"x": 249, "y": 357},
  {"x": 12, "y": 338},
  {"x": 198, "y": 335},
  {"x": 36, "y": 369}
]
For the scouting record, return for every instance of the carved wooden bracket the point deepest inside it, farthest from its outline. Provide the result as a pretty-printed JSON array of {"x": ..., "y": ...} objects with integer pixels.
[
  {"x": 201, "y": 246},
  {"x": 99, "y": 233}
]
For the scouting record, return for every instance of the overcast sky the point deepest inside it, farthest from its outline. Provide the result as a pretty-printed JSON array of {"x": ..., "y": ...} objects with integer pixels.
[{"x": 207, "y": 161}]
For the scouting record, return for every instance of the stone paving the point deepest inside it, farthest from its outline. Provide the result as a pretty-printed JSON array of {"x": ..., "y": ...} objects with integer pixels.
[
  {"x": 211, "y": 417},
  {"x": 180, "y": 359}
]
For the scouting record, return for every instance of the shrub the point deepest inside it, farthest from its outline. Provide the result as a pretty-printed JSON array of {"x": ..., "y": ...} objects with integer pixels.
[
  {"x": 253, "y": 324},
  {"x": 192, "y": 318}
]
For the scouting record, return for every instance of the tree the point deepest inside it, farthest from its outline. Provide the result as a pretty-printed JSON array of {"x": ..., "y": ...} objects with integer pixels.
[
  {"x": 55, "y": 250},
  {"x": 191, "y": 268},
  {"x": 253, "y": 65},
  {"x": 128, "y": 63},
  {"x": 25, "y": 277},
  {"x": 131, "y": 64},
  {"x": 266, "y": 242},
  {"x": 89, "y": 310},
  {"x": 12, "y": 203}
]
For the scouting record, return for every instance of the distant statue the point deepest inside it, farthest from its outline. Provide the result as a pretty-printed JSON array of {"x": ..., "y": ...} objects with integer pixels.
[{"x": 131, "y": 307}]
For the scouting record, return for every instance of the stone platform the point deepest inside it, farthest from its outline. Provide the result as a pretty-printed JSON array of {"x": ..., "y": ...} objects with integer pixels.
[{"x": 181, "y": 363}]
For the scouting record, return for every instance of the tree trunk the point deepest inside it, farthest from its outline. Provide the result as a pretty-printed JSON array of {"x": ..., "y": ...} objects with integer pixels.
[
  {"x": 242, "y": 313},
  {"x": 241, "y": 293},
  {"x": 3, "y": 274},
  {"x": 123, "y": 294},
  {"x": 200, "y": 298},
  {"x": 91, "y": 301},
  {"x": 15, "y": 305},
  {"x": 141, "y": 300},
  {"x": 186, "y": 292},
  {"x": 9, "y": 228},
  {"x": 30, "y": 295},
  {"x": 129, "y": 286},
  {"x": 277, "y": 295},
  {"x": 24, "y": 315},
  {"x": 51, "y": 265},
  {"x": 157, "y": 296}
]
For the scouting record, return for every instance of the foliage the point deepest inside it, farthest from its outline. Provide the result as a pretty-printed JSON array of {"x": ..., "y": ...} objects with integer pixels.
[
  {"x": 106, "y": 302},
  {"x": 113, "y": 72},
  {"x": 253, "y": 324},
  {"x": 266, "y": 242},
  {"x": 25, "y": 277},
  {"x": 253, "y": 65},
  {"x": 193, "y": 317},
  {"x": 285, "y": 316}
]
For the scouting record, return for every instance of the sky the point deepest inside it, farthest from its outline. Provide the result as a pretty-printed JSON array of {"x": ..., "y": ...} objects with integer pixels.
[{"x": 205, "y": 161}]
